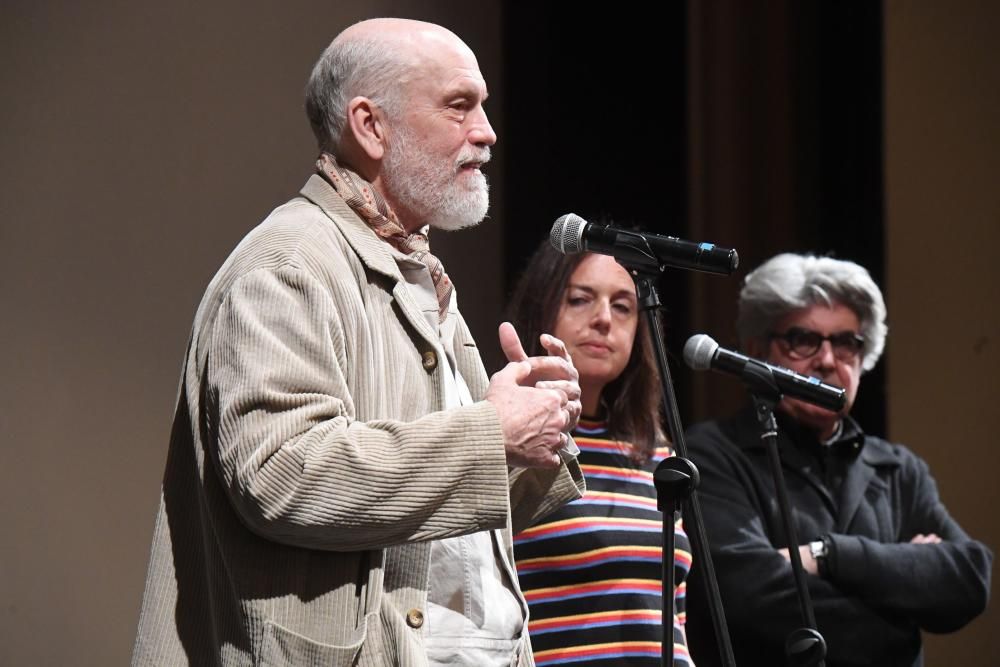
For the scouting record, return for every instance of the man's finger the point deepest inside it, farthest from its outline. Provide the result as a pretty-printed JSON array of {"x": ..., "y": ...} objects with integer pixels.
[
  {"x": 571, "y": 389},
  {"x": 555, "y": 346},
  {"x": 552, "y": 368},
  {"x": 513, "y": 373},
  {"x": 510, "y": 343}
]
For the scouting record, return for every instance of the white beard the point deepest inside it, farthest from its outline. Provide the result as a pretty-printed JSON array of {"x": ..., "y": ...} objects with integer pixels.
[{"x": 429, "y": 188}]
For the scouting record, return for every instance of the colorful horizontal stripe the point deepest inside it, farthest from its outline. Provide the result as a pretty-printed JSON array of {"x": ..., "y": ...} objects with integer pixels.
[
  {"x": 613, "y": 472},
  {"x": 591, "y": 571},
  {"x": 591, "y": 558},
  {"x": 617, "y": 499},
  {"x": 609, "y": 651},
  {"x": 609, "y": 587},
  {"x": 590, "y": 621},
  {"x": 592, "y": 445},
  {"x": 610, "y": 446},
  {"x": 589, "y": 427},
  {"x": 586, "y": 525}
]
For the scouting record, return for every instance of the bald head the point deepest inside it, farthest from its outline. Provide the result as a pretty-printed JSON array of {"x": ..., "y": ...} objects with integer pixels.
[
  {"x": 397, "y": 30},
  {"x": 375, "y": 59}
]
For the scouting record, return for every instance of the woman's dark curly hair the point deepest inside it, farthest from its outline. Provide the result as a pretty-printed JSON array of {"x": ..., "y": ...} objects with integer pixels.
[{"x": 632, "y": 401}]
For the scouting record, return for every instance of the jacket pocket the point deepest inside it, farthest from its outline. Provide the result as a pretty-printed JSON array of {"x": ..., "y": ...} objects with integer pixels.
[{"x": 282, "y": 648}]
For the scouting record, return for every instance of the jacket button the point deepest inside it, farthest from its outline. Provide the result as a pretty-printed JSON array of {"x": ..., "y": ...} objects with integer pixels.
[
  {"x": 430, "y": 360},
  {"x": 415, "y": 618}
]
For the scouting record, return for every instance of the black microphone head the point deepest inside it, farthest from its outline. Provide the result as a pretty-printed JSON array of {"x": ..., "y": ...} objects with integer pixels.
[
  {"x": 699, "y": 350},
  {"x": 567, "y": 234}
]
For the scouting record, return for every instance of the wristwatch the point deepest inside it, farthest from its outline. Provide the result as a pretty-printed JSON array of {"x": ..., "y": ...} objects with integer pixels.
[{"x": 819, "y": 550}]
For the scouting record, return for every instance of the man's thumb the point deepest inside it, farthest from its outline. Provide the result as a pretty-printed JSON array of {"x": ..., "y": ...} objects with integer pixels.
[{"x": 510, "y": 343}]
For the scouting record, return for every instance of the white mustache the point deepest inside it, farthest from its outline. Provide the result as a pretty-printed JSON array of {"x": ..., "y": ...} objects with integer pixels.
[{"x": 473, "y": 155}]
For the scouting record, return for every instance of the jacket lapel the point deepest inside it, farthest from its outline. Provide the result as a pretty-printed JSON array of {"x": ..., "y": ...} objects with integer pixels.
[
  {"x": 371, "y": 250},
  {"x": 859, "y": 476}
]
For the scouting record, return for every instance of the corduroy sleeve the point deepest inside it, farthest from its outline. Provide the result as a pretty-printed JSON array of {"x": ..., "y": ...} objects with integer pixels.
[{"x": 280, "y": 427}]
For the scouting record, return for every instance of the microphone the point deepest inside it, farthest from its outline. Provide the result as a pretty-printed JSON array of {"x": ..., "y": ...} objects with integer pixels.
[
  {"x": 702, "y": 353},
  {"x": 572, "y": 234}
]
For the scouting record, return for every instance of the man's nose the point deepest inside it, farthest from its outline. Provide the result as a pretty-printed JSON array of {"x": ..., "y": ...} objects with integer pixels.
[
  {"x": 481, "y": 132},
  {"x": 824, "y": 357}
]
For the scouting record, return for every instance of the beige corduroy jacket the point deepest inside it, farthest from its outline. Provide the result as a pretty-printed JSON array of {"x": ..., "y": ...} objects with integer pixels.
[{"x": 310, "y": 462}]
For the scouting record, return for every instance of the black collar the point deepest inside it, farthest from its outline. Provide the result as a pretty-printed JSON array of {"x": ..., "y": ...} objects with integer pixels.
[{"x": 792, "y": 435}]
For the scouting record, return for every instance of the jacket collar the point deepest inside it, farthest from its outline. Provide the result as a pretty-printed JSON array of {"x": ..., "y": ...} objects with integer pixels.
[
  {"x": 372, "y": 250},
  {"x": 790, "y": 434},
  {"x": 797, "y": 447}
]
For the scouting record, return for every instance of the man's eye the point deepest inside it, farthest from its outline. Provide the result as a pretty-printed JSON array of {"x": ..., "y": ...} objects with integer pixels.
[{"x": 806, "y": 339}]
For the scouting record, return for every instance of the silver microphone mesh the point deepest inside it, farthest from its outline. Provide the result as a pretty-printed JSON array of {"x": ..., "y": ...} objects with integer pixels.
[
  {"x": 699, "y": 350},
  {"x": 567, "y": 234}
]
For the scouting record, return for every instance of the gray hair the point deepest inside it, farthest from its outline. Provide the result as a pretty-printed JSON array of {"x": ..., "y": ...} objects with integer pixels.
[
  {"x": 371, "y": 67},
  {"x": 790, "y": 282}
]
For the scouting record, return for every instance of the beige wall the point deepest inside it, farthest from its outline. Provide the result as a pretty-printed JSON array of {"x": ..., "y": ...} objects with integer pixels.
[
  {"x": 139, "y": 141},
  {"x": 942, "y": 165}
]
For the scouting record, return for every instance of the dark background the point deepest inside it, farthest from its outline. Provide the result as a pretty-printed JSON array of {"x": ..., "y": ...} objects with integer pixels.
[
  {"x": 139, "y": 142},
  {"x": 597, "y": 124}
]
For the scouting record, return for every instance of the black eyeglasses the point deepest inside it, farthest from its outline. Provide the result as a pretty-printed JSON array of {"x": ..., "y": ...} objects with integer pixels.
[{"x": 804, "y": 343}]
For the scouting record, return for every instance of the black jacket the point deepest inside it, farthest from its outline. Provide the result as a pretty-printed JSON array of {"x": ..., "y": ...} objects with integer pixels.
[{"x": 870, "y": 497}]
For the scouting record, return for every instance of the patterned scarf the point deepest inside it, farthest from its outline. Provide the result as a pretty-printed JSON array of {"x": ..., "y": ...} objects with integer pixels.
[{"x": 373, "y": 209}]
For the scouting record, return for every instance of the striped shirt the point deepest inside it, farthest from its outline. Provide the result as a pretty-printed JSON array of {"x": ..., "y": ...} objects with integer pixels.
[{"x": 591, "y": 570}]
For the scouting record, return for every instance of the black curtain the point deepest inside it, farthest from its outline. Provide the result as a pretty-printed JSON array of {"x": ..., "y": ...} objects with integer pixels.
[{"x": 755, "y": 125}]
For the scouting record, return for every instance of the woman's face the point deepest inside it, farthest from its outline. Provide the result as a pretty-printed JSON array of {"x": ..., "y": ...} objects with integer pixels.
[{"x": 597, "y": 321}]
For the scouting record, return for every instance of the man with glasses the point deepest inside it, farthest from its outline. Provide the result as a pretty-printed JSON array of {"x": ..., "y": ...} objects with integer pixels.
[{"x": 884, "y": 558}]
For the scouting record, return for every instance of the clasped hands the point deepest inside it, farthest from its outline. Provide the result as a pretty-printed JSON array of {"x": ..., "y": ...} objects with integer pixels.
[{"x": 537, "y": 400}]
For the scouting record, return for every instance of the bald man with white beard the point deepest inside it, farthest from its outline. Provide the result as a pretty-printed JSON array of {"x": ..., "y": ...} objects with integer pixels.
[{"x": 343, "y": 478}]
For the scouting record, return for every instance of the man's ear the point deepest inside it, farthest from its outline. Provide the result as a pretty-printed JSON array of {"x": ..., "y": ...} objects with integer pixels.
[{"x": 366, "y": 123}]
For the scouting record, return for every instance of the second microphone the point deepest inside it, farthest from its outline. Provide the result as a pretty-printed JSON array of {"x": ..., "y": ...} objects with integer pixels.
[{"x": 572, "y": 234}]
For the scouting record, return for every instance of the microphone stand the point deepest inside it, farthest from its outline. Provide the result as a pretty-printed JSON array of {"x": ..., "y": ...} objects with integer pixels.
[
  {"x": 804, "y": 646},
  {"x": 676, "y": 479}
]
